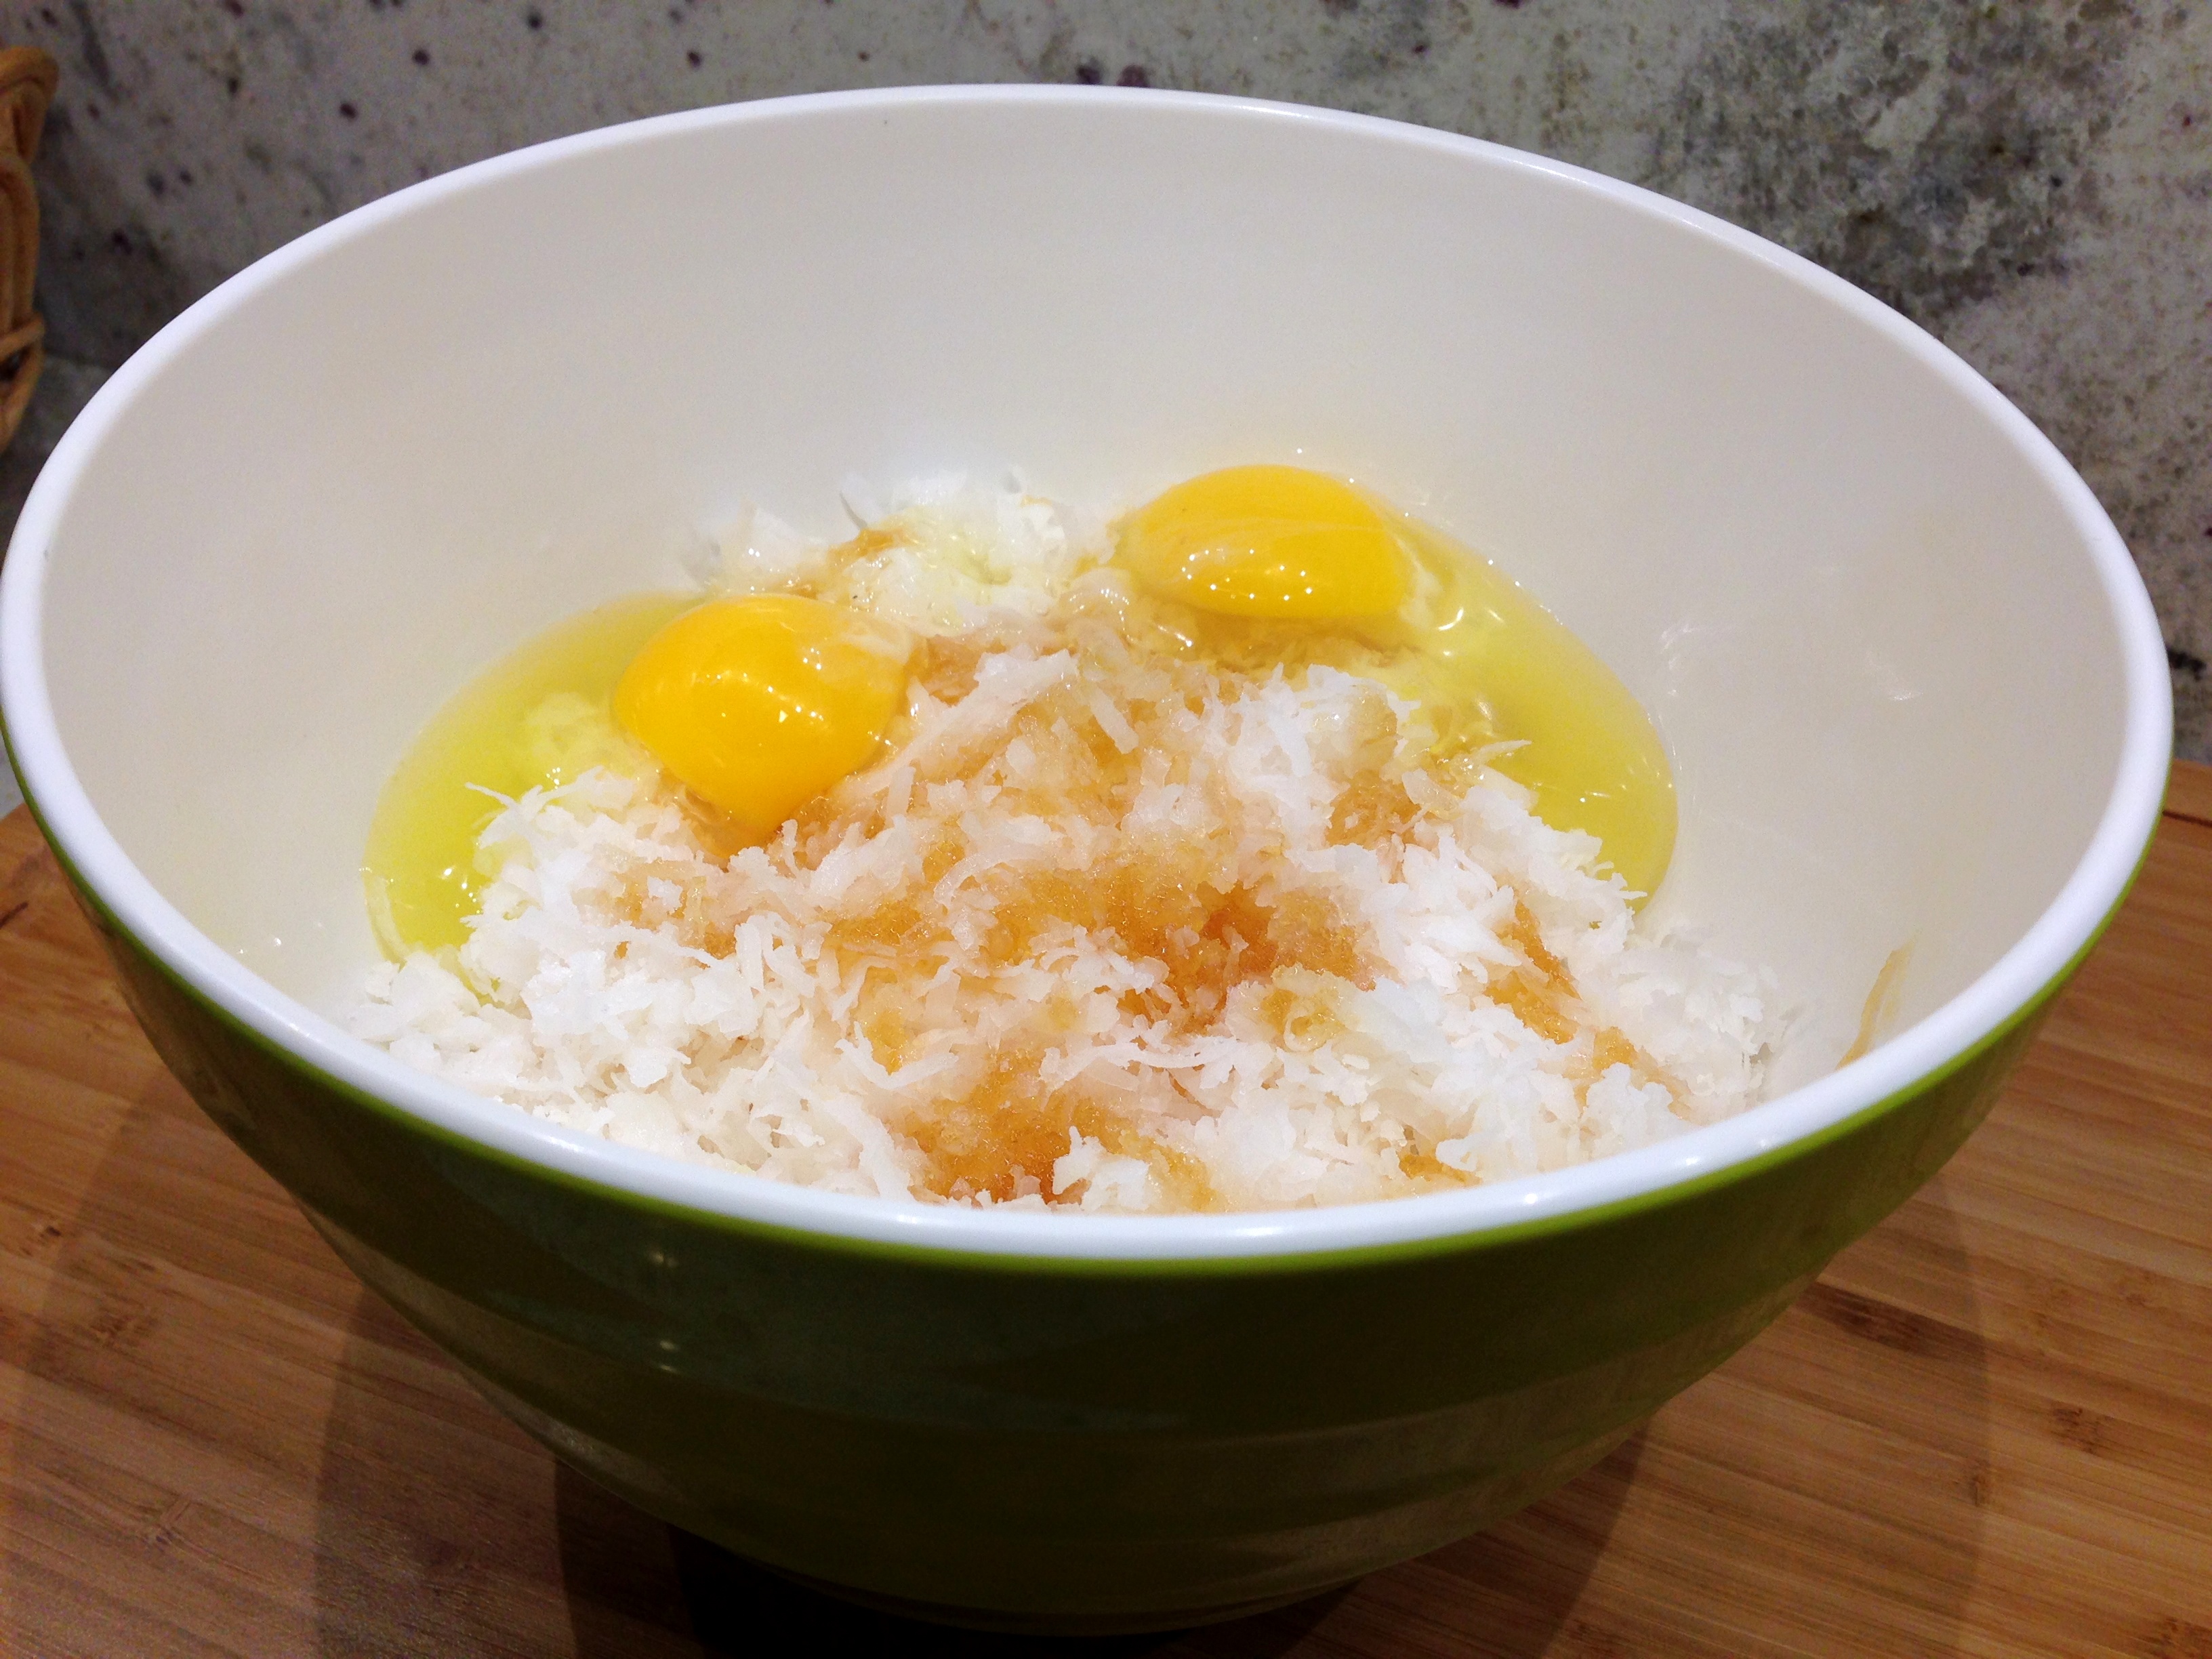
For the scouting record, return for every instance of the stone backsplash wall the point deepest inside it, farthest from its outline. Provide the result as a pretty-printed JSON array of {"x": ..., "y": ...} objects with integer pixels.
[{"x": 2030, "y": 179}]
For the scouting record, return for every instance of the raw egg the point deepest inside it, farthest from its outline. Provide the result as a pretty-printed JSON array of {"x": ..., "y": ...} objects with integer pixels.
[
  {"x": 1264, "y": 565},
  {"x": 757, "y": 705},
  {"x": 1267, "y": 541},
  {"x": 535, "y": 718}
]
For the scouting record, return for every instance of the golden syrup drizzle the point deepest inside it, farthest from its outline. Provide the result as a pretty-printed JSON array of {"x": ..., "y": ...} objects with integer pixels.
[{"x": 1882, "y": 1001}]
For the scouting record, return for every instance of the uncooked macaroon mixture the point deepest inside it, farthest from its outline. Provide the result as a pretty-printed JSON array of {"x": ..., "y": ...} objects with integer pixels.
[{"x": 1260, "y": 849}]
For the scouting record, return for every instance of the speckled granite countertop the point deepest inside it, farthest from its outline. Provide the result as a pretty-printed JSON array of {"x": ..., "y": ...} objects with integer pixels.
[{"x": 2032, "y": 180}]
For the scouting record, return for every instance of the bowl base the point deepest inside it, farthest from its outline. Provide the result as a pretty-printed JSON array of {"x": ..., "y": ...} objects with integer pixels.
[{"x": 998, "y": 1621}]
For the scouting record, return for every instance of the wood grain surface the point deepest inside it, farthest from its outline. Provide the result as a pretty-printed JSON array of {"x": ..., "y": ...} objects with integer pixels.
[{"x": 1987, "y": 1430}]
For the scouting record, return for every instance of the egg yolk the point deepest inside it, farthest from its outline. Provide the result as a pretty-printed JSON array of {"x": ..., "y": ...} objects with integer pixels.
[
  {"x": 757, "y": 705},
  {"x": 1267, "y": 541}
]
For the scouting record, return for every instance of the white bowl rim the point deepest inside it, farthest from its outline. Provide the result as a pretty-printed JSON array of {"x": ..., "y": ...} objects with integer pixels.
[{"x": 1936, "y": 1043}]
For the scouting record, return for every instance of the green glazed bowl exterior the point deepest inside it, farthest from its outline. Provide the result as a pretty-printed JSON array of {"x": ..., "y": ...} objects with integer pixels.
[{"x": 1063, "y": 1443}]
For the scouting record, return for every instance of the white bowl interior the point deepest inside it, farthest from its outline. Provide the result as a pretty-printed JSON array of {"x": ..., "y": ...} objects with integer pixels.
[{"x": 1851, "y": 587}]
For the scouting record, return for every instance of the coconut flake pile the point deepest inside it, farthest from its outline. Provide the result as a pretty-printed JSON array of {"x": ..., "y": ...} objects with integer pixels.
[{"x": 1109, "y": 929}]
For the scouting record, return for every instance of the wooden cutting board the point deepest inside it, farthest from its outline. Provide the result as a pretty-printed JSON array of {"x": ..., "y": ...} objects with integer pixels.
[{"x": 1987, "y": 1430}]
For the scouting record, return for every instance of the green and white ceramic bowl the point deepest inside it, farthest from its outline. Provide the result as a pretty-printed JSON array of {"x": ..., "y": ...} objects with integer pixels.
[{"x": 1912, "y": 688}]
